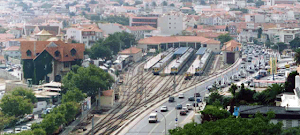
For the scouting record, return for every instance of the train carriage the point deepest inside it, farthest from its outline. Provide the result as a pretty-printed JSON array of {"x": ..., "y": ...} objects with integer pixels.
[{"x": 181, "y": 61}]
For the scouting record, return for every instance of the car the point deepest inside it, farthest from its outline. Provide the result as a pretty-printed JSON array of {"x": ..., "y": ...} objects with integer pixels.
[
  {"x": 209, "y": 87},
  {"x": 185, "y": 109},
  {"x": 29, "y": 126},
  {"x": 179, "y": 106},
  {"x": 180, "y": 95},
  {"x": 163, "y": 108},
  {"x": 191, "y": 98},
  {"x": 9, "y": 132},
  {"x": 30, "y": 117},
  {"x": 199, "y": 100},
  {"x": 24, "y": 128},
  {"x": 171, "y": 99},
  {"x": 17, "y": 130},
  {"x": 152, "y": 118},
  {"x": 197, "y": 95},
  {"x": 182, "y": 112},
  {"x": 189, "y": 106}
]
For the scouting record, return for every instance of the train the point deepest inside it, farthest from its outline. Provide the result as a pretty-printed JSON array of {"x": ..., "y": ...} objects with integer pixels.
[
  {"x": 199, "y": 64},
  {"x": 163, "y": 63},
  {"x": 181, "y": 61}
]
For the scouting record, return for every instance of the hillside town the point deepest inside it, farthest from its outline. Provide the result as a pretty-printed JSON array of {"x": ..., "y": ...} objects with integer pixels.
[{"x": 149, "y": 67}]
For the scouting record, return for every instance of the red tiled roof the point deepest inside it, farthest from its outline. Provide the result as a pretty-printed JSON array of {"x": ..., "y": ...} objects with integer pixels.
[
  {"x": 131, "y": 50},
  {"x": 12, "y": 48},
  {"x": 140, "y": 28},
  {"x": 108, "y": 93},
  {"x": 231, "y": 45},
  {"x": 175, "y": 39},
  {"x": 210, "y": 34},
  {"x": 37, "y": 47}
]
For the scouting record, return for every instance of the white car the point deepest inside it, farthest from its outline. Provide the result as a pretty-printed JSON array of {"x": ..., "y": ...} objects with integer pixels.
[
  {"x": 17, "y": 130},
  {"x": 189, "y": 106},
  {"x": 9, "y": 132},
  {"x": 29, "y": 126},
  {"x": 180, "y": 95},
  {"x": 163, "y": 108},
  {"x": 24, "y": 128}
]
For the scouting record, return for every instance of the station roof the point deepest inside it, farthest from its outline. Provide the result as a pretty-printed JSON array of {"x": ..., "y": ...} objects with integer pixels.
[
  {"x": 201, "y": 51},
  {"x": 181, "y": 50}
]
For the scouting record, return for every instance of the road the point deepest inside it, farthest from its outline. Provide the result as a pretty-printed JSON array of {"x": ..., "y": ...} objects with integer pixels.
[{"x": 143, "y": 127}]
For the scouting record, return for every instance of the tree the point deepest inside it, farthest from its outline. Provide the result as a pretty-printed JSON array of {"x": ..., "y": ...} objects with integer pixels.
[
  {"x": 94, "y": 2},
  {"x": 153, "y": 4},
  {"x": 297, "y": 56},
  {"x": 2, "y": 30},
  {"x": 73, "y": 96},
  {"x": 224, "y": 38},
  {"x": 68, "y": 110},
  {"x": 25, "y": 93},
  {"x": 172, "y": 5},
  {"x": 89, "y": 80},
  {"x": 116, "y": 19},
  {"x": 52, "y": 122},
  {"x": 250, "y": 1},
  {"x": 269, "y": 43},
  {"x": 259, "y": 3},
  {"x": 226, "y": 29},
  {"x": 259, "y": 32},
  {"x": 202, "y": 2},
  {"x": 98, "y": 50},
  {"x": 291, "y": 131},
  {"x": 231, "y": 126},
  {"x": 15, "y": 105},
  {"x": 213, "y": 113},
  {"x": 138, "y": 2},
  {"x": 245, "y": 95},
  {"x": 22, "y": 4},
  {"x": 244, "y": 10},
  {"x": 232, "y": 90},
  {"x": 126, "y": 4},
  {"x": 295, "y": 43},
  {"x": 164, "y": 3},
  {"x": 37, "y": 131},
  {"x": 281, "y": 46},
  {"x": 289, "y": 84},
  {"x": 46, "y": 5},
  {"x": 268, "y": 96},
  {"x": 5, "y": 120}
]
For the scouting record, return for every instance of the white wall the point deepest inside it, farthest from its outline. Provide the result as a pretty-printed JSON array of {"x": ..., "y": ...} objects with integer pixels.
[
  {"x": 109, "y": 28},
  {"x": 171, "y": 24}
]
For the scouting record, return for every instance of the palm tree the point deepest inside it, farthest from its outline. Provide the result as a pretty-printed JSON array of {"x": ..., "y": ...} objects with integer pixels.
[{"x": 297, "y": 56}]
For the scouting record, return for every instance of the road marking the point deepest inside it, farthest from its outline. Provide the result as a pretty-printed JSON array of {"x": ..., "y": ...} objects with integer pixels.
[
  {"x": 170, "y": 122},
  {"x": 156, "y": 125}
]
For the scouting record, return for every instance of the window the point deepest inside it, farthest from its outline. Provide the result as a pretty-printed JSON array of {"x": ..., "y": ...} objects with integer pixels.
[
  {"x": 57, "y": 53},
  {"x": 205, "y": 45},
  {"x": 73, "y": 52},
  {"x": 66, "y": 64},
  {"x": 28, "y": 53}
]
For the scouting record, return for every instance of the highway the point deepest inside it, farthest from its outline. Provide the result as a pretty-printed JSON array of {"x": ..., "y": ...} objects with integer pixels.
[{"x": 143, "y": 127}]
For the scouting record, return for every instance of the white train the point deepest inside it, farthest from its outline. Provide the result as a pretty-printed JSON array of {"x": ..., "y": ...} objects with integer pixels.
[
  {"x": 181, "y": 61},
  {"x": 163, "y": 63}
]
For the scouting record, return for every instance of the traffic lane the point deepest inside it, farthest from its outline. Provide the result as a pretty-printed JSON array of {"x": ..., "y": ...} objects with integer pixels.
[{"x": 144, "y": 127}]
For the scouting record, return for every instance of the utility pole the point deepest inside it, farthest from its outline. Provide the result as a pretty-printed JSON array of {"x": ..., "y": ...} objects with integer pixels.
[
  {"x": 92, "y": 125},
  {"x": 176, "y": 119}
]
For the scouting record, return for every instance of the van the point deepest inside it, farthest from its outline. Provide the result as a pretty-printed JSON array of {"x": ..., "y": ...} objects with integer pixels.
[
  {"x": 152, "y": 118},
  {"x": 189, "y": 106}
]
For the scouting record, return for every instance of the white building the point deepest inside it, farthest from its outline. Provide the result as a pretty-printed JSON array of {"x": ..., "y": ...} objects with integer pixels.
[
  {"x": 87, "y": 34},
  {"x": 255, "y": 18},
  {"x": 172, "y": 23},
  {"x": 110, "y": 28},
  {"x": 12, "y": 51},
  {"x": 140, "y": 32},
  {"x": 126, "y": 9},
  {"x": 282, "y": 35}
]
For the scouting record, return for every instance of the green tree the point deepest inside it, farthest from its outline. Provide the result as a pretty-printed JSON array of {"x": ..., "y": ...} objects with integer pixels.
[
  {"x": 172, "y": 5},
  {"x": 202, "y": 2},
  {"x": 153, "y": 4},
  {"x": 244, "y": 10},
  {"x": 291, "y": 131},
  {"x": 259, "y": 3},
  {"x": 297, "y": 56},
  {"x": 46, "y": 5},
  {"x": 213, "y": 113},
  {"x": 126, "y": 4},
  {"x": 138, "y": 2},
  {"x": 68, "y": 110},
  {"x": 73, "y": 96},
  {"x": 2, "y": 30},
  {"x": 94, "y": 2},
  {"x": 281, "y": 46},
  {"x": 226, "y": 29},
  {"x": 164, "y": 3},
  {"x": 98, "y": 50},
  {"x": 231, "y": 126},
  {"x": 89, "y": 80},
  {"x": 25, "y": 93},
  {"x": 116, "y": 19},
  {"x": 289, "y": 84},
  {"x": 245, "y": 95},
  {"x": 269, "y": 43},
  {"x": 15, "y": 105},
  {"x": 232, "y": 90},
  {"x": 5, "y": 120},
  {"x": 224, "y": 38},
  {"x": 259, "y": 32},
  {"x": 295, "y": 43},
  {"x": 22, "y": 4},
  {"x": 52, "y": 122}
]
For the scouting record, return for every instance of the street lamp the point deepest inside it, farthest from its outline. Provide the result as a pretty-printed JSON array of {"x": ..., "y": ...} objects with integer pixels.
[
  {"x": 174, "y": 97},
  {"x": 165, "y": 121}
]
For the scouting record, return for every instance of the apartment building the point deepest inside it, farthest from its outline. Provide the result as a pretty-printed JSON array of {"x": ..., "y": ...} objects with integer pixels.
[
  {"x": 143, "y": 20},
  {"x": 172, "y": 23}
]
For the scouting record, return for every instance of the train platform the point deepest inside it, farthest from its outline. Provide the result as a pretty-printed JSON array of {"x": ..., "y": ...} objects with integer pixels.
[
  {"x": 167, "y": 69},
  {"x": 152, "y": 61},
  {"x": 181, "y": 51}
]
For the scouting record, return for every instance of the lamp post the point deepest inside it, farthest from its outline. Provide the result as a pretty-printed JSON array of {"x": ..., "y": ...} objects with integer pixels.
[
  {"x": 174, "y": 86},
  {"x": 165, "y": 121}
]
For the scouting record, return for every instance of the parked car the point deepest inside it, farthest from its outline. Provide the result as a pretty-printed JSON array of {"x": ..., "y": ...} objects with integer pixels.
[
  {"x": 163, "y": 108},
  {"x": 179, "y": 106},
  {"x": 17, "y": 130},
  {"x": 30, "y": 117},
  {"x": 29, "y": 126},
  {"x": 182, "y": 112},
  {"x": 24, "y": 128},
  {"x": 171, "y": 99},
  {"x": 199, "y": 100}
]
